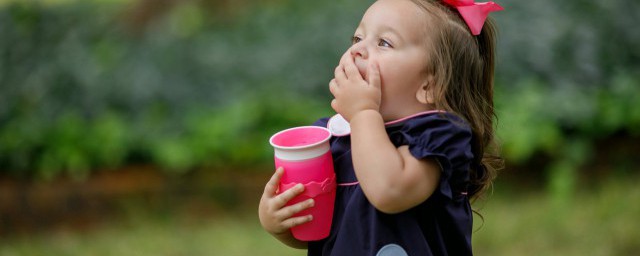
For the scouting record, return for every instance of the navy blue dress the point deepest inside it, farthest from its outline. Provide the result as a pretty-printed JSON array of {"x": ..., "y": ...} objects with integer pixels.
[{"x": 441, "y": 225}]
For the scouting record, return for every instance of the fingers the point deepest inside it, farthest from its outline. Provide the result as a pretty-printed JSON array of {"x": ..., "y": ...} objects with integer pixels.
[
  {"x": 351, "y": 70},
  {"x": 333, "y": 86},
  {"x": 292, "y": 222},
  {"x": 287, "y": 212},
  {"x": 272, "y": 185},
  {"x": 278, "y": 220},
  {"x": 374, "y": 74},
  {"x": 287, "y": 195},
  {"x": 345, "y": 57},
  {"x": 339, "y": 73},
  {"x": 271, "y": 189},
  {"x": 334, "y": 105},
  {"x": 274, "y": 213}
]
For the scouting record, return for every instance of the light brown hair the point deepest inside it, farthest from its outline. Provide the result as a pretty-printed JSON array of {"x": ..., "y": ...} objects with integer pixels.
[{"x": 463, "y": 70}]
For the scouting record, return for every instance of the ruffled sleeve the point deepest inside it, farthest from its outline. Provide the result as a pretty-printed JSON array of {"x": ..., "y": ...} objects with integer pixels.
[{"x": 443, "y": 136}]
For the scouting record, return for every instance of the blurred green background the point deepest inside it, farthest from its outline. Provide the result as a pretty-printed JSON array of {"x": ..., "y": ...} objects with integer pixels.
[{"x": 140, "y": 127}]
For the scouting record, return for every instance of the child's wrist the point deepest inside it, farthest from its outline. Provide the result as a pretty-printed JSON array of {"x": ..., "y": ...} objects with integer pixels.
[{"x": 366, "y": 114}]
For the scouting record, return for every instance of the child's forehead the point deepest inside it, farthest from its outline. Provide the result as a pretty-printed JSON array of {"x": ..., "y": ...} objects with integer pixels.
[
  {"x": 395, "y": 12},
  {"x": 403, "y": 16},
  {"x": 392, "y": 6}
]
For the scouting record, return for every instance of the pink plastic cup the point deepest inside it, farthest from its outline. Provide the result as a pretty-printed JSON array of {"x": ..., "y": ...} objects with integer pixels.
[{"x": 304, "y": 154}]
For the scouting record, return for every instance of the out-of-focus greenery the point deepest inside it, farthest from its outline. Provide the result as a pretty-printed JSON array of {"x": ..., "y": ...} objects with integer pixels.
[
  {"x": 518, "y": 223},
  {"x": 598, "y": 223},
  {"x": 84, "y": 86},
  {"x": 99, "y": 84},
  {"x": 88, "y": 85}
]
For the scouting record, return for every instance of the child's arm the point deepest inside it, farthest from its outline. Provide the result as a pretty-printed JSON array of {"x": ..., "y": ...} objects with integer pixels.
[
  {"x": 391, "y": 178},
  {"x": 276, "y": 218}
]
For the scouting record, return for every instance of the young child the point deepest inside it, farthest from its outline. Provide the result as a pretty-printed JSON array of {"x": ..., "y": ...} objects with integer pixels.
[{"x": 417, "y": 89}]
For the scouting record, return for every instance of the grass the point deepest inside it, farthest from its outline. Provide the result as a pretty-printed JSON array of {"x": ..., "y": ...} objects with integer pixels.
[
  {"x": 602, "y": 220},
  {"x": 142, "y": 235}
]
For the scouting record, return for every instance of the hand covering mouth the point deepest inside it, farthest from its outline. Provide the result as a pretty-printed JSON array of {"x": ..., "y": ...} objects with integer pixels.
[{"x": 362, "y": 69}]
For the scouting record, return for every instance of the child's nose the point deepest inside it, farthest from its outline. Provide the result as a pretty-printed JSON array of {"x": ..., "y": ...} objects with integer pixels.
[
  {"x": 359, "y": 50},
  {"x": 360, "y": 57}
]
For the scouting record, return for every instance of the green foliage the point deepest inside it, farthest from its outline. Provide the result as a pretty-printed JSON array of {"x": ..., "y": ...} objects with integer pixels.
[
  {"x": 619, "y": 107},
  {"x": 537, "y": 118},
  {"x": 563, "y": 124},
  {"x": 72, "y": 144},
  {"x": 82, "y": 88},
  {"x": 519, "y": 112},
  {"x": 236, "y": 134}
]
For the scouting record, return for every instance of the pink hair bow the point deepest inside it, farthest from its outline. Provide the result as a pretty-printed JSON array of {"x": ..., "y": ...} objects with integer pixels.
[{"x": 474, "y": 14}]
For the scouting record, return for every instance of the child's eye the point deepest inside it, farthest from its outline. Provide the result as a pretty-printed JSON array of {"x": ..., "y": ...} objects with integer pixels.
[
  {"x": 355, "y": 39},
  {"x": 384, "y": 43}
]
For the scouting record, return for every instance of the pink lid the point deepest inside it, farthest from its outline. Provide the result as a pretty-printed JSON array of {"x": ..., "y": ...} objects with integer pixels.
[
  {"x": 299, "y": 143},
  {"x": 300, "y": 137}
]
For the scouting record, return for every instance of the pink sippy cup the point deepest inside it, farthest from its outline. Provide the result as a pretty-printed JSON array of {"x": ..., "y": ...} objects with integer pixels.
[{"x": 304, "y": 154}]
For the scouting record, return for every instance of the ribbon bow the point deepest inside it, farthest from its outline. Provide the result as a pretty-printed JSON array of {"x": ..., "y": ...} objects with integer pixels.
[{"x": 474, "y": 14}]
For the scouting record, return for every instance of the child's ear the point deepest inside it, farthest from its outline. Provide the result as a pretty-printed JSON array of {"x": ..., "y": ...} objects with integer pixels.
[{"x": 425, "y": 92}]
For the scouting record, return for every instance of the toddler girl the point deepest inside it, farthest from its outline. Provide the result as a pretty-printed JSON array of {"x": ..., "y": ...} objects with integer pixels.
[{"x": 416, "y": 87}]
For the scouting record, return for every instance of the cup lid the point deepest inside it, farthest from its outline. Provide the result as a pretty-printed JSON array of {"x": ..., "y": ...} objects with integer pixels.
[
  {"x": 299, "y": 143},
  {"x": 300, "y": 137}
]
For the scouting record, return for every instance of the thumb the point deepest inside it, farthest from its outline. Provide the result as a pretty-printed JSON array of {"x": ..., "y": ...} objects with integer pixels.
[{"x": 374, "y": 75}]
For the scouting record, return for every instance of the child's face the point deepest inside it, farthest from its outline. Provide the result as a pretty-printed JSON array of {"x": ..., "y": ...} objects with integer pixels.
[{"x": 392, "y": 33}]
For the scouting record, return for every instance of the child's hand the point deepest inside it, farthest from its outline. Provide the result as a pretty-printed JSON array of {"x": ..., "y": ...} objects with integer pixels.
[
  {"x": 275, "y": 217},
  {"x": 351, "y": 91}
]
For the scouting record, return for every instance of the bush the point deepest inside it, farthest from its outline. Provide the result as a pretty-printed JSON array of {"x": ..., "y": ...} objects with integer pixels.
[{"x": 84, "y": 89}]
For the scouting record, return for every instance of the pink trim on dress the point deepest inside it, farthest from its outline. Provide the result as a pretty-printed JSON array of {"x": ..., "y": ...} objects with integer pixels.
[
  {"x": 348, "y": 184},
  {"x": 341, "y": 128},
  {"x": 414, "y": 115}
]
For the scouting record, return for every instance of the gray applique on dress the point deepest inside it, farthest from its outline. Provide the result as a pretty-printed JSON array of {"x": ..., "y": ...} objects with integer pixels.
[{"x": 392, "y": 250}]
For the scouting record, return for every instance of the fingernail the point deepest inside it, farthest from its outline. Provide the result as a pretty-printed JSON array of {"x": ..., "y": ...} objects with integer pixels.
[
  {"x": 311, "y": 202},
  {"x": 299, "y": 187}
]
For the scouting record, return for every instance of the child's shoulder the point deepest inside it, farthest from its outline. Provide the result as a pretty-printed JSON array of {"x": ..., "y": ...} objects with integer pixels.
[{"x": 445, "y": 136}]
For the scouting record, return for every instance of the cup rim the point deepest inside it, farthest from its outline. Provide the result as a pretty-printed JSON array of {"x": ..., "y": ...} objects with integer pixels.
[{"x": 303, "y": 146}]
